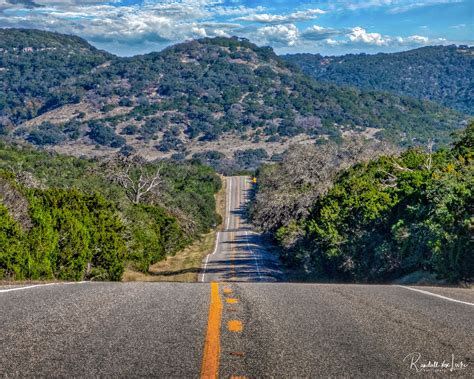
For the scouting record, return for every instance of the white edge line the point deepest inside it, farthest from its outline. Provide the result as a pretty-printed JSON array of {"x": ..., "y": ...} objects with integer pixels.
[
  {"x": 207, "y": 257},
  {"x": 435, "y": 295},
  {"x": 229, "y": 203},
  {"x": 38, "y": 285},
  {"x": 229, "y": 190},
  {"x": 254, "y": 255}
]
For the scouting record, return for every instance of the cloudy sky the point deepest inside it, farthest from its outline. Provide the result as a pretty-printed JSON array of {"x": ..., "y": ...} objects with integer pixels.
[{"x": 128, "y": 27}]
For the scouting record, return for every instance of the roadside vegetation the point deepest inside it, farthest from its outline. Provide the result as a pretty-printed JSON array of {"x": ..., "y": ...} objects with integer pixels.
[
  {"x": 185, "y": 265},
  {"x": 339, "y": 214},
  {"x": 77, "y": 219}
]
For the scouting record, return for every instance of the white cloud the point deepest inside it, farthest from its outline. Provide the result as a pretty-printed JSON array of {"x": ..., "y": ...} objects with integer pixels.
[
  {"x": 393, "y": 6},
  {"x": 236, "y": 11},
  {"x": 405, "y": 6},
  {"x": 266, "y": 18},
  {"x": 220, "y": 33},
  {"x": 170, "y": 21},
  {"x": 279, "y": 34},
  {"x": 359, "y": 34},
  {"x": 417, "y": 39},
  {"x": 155, "y": 24},
  {"x": 199, "y": 32},
  {"x": 331, "y": 42}
]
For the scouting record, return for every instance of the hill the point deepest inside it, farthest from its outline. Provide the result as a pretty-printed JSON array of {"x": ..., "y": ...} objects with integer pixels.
[
  {"x": 444, "y": 74},
  {"x": 221, "y": 94}
]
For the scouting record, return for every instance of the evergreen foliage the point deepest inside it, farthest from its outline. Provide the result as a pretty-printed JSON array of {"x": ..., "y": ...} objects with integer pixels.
[
  {"x": 202, "y": 88},
  {"x": 82, "y": 225},
  {"x": 444, "y": 74},
  {"x": 389, "y": 217}
]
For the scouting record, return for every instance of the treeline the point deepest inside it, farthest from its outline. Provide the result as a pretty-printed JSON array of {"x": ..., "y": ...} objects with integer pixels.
[
  {"x": 79, "y": 219},
  {"x": 443, "y": 74},
  {"x": 377, "y": 220},
  {"x": 244, "y": 161}
]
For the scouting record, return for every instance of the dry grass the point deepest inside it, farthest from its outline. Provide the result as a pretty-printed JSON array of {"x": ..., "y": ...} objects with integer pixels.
[{"x": 185, "y": 265}]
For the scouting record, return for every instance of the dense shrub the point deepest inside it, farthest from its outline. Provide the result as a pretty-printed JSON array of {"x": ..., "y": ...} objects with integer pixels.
[
  {"x": 85, "y": 226},
  {"x": 217, "y": 96},
  {"x": 46, "y": 134},
  {"x": 389, "y": 217},
  {"x": 105, "y": 135},
  {"x": 440, "y": 73},
  {"x": 156, "y": 234},
  {"x": 74, "y": 237}
]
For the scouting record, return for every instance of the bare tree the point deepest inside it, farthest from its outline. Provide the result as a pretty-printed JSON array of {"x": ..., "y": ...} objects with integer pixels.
[
  {"x": 136, "y": 177},
  {"x": 288, "y": 190},
  {"x": 429, "y": 158}
]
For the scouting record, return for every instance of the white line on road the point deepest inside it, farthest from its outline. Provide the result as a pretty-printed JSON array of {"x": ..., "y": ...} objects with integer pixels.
[
  {"x": 207, "y": 258},
  {"x": 254, "y": 256},
  {"x": 37, "y": 285},
  {"x": 436, "y": 295},
  {"x": 229, "y": 202}
]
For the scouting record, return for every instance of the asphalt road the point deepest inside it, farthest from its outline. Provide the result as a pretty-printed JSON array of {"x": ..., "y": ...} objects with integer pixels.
[
  {"x": 243, "y": 325},
  {"x": 240, "y": 254}
]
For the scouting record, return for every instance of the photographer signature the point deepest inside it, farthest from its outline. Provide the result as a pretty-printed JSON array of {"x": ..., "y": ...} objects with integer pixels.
[{"x": 417, "y": 364}]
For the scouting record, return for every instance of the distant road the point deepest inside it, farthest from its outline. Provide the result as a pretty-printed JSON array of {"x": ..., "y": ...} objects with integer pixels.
[
  {"x": 245, "y": 324},
  {"x": 240, "y": 254}
]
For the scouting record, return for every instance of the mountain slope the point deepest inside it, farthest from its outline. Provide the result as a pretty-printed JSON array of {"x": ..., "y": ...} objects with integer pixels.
[
  {"x": 38, "y": 71},
  {"x": 444, "y": 74},
  {"x": 211, "y": 93}
]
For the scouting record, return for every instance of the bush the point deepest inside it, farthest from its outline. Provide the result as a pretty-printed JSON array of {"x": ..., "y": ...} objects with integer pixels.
[
  {"x": 156, "y": 234},
  {"x": 46, "y": 134},
  {"x": 74, "y": 237},
  {"x": 83, "y": 224},
  {"x": 386, "y": 218},
  {"x": 105, "y": 135}
]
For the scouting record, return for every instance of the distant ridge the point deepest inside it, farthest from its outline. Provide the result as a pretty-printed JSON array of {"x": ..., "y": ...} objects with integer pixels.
[
  {"x": 218, "y": 94},
  {"x": 444, "y": 74}
]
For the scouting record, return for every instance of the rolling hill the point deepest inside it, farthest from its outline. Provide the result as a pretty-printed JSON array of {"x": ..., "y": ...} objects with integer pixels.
[
  {"x": 444, "y": 74},
  {"x": 220, "y": 94}
]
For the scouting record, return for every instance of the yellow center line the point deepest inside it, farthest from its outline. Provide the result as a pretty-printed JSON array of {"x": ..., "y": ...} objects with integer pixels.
[
  {"x": 235, "y": 326},
  {"x": 231, "y": 301},
  {"x": 210, "y": 360}
]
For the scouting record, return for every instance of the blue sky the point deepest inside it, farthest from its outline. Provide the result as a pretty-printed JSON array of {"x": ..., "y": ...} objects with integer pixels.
[{"x": 128, "y": 27}]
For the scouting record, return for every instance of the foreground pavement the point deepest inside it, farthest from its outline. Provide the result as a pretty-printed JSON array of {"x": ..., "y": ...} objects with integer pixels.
[{"x": 249, "y": 329}]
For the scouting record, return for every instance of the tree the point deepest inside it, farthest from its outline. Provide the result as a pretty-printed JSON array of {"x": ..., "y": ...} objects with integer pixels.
[
  {"x": 288, "y": 190},
  {"x": 137, "y": 178}
]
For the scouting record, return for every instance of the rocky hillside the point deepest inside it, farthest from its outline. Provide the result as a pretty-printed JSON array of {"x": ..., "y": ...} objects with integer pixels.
[
  {"x": 444, "y": 74},
  {"x": 221, "y": 94}
]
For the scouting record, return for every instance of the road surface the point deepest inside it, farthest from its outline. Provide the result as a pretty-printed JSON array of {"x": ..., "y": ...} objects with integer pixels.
[
  {"x": 244, "y": 325},
  {"x": 240, "y": 254}
]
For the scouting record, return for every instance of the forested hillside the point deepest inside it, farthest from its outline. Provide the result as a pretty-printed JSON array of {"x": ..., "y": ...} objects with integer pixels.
[
  {"x": 59, "y": 91},
  {"x": 444, "y": 74},
  {"x": 387, "y": 216},
  {"x": 77, "y": 219}
]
